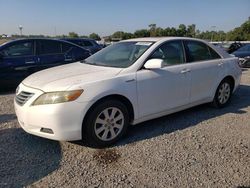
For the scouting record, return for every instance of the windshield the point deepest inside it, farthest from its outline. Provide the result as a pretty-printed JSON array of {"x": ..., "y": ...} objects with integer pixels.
[{"x": 122, "y": 54}]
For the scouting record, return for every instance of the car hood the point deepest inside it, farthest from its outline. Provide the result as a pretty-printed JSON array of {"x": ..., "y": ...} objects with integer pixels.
[
  {"x": 241, "y": 54},
  {"x": 64, "y": 77}
]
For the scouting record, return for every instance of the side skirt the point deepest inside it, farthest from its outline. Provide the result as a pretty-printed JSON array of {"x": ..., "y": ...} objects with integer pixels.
[{"x": 167, "y": 112}]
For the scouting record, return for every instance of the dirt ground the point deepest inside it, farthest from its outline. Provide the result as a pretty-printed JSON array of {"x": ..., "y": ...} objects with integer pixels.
[{"x": 199, "y": 147}]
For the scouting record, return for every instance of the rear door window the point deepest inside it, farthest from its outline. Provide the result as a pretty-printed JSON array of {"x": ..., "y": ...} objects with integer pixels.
[
  {"x": 49, "y": 47},
  {"x": 198, "y": 51}
]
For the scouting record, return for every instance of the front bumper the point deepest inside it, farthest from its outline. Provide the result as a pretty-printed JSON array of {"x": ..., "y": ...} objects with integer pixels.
[
  {"x": 245, "y": 62},
  {"x": 64, "y": 119}
]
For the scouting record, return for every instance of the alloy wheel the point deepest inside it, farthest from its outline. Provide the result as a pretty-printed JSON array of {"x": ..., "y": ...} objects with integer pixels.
[
  {"x": 224, "y": 93},
  {"x": 109, "y": 123}
]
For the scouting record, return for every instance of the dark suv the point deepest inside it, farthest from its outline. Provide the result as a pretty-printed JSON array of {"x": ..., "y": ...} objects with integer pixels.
[
  {"x": 20, "y": 58},
  {"x": 88, "y": 44}
]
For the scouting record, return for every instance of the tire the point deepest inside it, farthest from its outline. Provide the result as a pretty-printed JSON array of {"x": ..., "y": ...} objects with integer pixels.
[
  {"x": 106, "y": 123},
  {"x": 223, "y": 94}
]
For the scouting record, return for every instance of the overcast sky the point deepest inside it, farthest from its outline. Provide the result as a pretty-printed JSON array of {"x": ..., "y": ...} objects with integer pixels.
[{"x": 50, "y": 17}]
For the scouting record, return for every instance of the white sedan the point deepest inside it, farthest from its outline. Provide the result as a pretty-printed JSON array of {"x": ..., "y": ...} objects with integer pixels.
[{"x": 126, "y": 83}]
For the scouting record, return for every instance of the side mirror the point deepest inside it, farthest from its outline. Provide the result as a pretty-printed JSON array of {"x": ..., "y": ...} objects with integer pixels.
[{"x": 154, "y": 64}]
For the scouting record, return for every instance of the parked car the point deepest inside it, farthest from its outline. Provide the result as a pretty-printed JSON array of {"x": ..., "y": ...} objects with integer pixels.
[
  {"x": 20, "y": 58},
  {"x": 88, "y": 44},
  {"x": 243, "y": 54},
  {"x": 126, "y": 83},
  {"x": 234, "y": 46}
]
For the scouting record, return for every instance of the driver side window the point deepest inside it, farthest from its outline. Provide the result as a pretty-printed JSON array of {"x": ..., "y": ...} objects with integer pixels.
[{"x": 171, "y": 53}]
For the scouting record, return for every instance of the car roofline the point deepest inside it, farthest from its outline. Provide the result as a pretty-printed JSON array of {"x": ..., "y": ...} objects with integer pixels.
[
  {"x": 158, "y": 39},
  {"x": 51, "y": 39}
]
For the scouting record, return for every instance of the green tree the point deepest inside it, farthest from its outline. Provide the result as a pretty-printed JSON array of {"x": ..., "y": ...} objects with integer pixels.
[
  {"x": 182, "y": 30},
  {"x": 167, "y": 31},
  {"x": 191, "y": 30},
  {"x": 73, "y": 35},
  {"x": 240, "y": 33},
  {"x": 122, "y": 35},
  {"x": 159, "y": 32},
  {"x": 94, "y": 36},
  {"x": 127, "y": 36},
  {"x": 118, "y": 35},
  {"x": 172, "y": 32},
  {"x": 152, "y": 30},
  {"x": 141, "y": 33}
]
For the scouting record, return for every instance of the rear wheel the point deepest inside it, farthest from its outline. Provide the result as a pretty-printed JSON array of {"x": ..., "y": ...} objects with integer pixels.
[
  {"x": 223, "y": 94},
  {"x": 106, "y": 123}
]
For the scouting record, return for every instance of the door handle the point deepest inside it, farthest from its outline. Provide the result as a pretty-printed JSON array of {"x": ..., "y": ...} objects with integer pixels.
[
  {"x": 220, "y": 64},
  {"x": 68, "y": 59},
  {"x": 29, "y": 62},
  {"x": 185, "y": 71}
]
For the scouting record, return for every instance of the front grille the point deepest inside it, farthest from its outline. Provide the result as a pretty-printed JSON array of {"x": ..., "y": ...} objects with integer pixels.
[{"x": 23, "y": 97}]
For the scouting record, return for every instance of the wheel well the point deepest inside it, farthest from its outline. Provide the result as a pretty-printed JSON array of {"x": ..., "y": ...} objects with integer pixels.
[
  {"x": 231, "y": 80},
  {"x": 120, "y": 98}
]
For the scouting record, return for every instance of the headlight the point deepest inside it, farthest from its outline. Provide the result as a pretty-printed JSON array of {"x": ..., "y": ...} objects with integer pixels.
[
  {"x": 17, "y": 90},
  {"x": 57, "y": 97}
]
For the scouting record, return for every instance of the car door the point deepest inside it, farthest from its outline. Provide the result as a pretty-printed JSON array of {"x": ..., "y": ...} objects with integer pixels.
[
  {"x": 205, "y": 65},
  {"x": 17, "y": 62},
  {"x": 49, "y": 53},
  {"x": 167, "y": 88}
]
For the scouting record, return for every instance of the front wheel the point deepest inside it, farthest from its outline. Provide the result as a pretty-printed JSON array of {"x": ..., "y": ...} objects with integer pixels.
[
  {"x": 106, "y": 123},
  {"x": 223, "y": 94}
]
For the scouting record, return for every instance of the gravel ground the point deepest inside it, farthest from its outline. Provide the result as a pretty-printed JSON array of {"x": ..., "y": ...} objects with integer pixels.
[{"x": 199, "y": 147}]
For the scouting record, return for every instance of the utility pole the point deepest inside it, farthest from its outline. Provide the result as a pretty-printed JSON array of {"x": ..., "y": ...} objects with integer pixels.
[
  {"x": 213, "y": 27},
  {"x": 21, "y": 29},
  {"x": 55, "y": 32}
]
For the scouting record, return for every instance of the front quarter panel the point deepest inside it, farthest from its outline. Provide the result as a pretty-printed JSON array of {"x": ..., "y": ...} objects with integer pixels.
[{"x": 124, "y": 85}]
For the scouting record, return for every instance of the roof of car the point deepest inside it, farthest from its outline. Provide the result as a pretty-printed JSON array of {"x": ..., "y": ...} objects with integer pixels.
[
  {"x": 156, "y": 39},
  {"x": 27, "y": 39},
  {"x": 162, "y": 39},
  {"x": 76, "y": 39}
]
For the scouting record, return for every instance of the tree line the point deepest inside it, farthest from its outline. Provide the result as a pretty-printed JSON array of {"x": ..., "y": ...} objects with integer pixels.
[
  {"x": 241, "y": 33},
  {"x": 237, "y": 34}
]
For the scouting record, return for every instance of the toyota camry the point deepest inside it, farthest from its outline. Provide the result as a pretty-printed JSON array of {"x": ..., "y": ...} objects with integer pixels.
[{"x": 127, "y": 83}]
